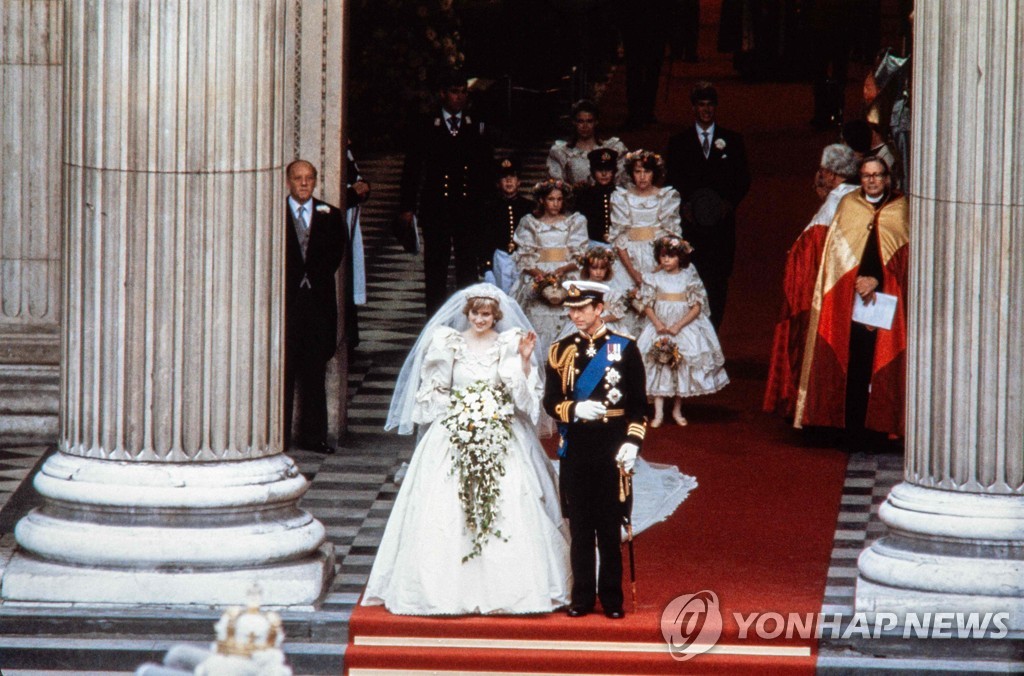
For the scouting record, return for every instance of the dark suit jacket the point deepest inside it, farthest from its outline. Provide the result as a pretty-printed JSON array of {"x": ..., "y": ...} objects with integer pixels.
[
  {"x": 724, "y": 171},
  {"x": 444, "y": 173},
  {"x": 311, "y": 311}
]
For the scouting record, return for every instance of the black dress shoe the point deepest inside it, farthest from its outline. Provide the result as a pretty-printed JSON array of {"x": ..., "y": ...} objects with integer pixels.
[
  {"x": 322, "y": 447},
  {"x": 578, "y": 611},
  {"x": 615, "y": 614}
]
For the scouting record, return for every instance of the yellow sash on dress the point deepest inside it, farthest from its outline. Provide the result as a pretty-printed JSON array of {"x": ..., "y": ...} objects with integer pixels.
[
  {"x": 664, "y": 295},
  {"x": 553, "y": 254},
  {"x": 644, "y": 234}
]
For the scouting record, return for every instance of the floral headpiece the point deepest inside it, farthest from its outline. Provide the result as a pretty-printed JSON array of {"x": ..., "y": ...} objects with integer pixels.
[
  {"x": 547, "y": 185},
  {"x": 672, "y": 245},
  {"x": 596, "y": 253},
  {"x": 647, "y": 158}
]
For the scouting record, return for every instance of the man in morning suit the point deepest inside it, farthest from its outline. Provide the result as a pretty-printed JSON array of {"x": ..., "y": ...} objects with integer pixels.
[
  {"x": 447, "y": 173},
  {"x": 708, "y": 166},
  {"x": 314, "y": 247},
  {"x": 596, "y": 391}
]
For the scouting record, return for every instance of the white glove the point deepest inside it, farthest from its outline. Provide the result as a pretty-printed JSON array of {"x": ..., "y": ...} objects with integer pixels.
[
  {"x": 590, "y": 410},
  {"x": 626, "y": 456}
]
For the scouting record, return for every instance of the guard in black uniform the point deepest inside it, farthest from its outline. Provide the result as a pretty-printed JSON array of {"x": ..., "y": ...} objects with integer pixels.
[
  {"x": 446, "y": 176},
  {"x": 499, "y": 219},
  {"x": 596, "y": 391},
  {"x": 594, "y": 201}
]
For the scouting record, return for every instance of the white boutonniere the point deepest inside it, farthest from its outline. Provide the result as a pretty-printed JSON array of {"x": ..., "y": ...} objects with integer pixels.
[
  {"x": 323, "y": 208},
  {"x": 720, "y": 143}
]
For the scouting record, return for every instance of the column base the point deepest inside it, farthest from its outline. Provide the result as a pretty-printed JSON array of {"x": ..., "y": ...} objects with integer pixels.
[
  {"x": 946, "y": 552},
  {"x": 169, "y": 533},
  {"x": 296, "y": 585}
]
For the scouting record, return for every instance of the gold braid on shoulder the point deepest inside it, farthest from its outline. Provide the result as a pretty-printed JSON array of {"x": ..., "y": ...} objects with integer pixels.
[{"x": 564, "y": 364}]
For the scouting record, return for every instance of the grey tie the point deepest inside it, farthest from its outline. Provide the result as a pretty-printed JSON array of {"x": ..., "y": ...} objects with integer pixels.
[
  {"x": 706, "y": 146},
  {"x": 302, "y": 230}
]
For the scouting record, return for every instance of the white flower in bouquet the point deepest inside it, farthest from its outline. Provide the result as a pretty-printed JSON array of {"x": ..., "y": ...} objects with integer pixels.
[{"x": 479, "y": 422}]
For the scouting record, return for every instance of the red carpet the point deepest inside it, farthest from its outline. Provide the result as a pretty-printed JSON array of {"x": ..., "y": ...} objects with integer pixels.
[{"x": 758, "y": 530}]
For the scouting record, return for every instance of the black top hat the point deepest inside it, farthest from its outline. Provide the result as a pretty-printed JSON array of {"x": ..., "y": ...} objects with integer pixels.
[
  {"x": 602, "y": 158},
  {"x": 506, "y": 166},
  {"x": 705, "y": 210}
]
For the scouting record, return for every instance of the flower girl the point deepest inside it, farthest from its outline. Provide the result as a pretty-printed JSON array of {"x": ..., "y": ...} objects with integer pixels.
[{"x": 682, "y": 355}]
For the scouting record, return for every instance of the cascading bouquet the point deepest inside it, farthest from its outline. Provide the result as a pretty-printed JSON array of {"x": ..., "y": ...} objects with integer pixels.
[
  {"x": 479, "y": 421},
  {"x": 549, "y": 289},
  {"x": 665, "y": 353}
]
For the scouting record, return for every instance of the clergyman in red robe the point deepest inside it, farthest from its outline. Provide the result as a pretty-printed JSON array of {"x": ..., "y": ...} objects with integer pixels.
[
  {"x": 838, "y": 167},
  {"x": 854, "y": 376}
]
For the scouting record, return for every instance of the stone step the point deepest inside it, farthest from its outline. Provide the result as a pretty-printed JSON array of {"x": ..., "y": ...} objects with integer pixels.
[
  {"x": 97, "y": 639},
  {"x": 30, "y": 428},
  {"x": 95, "y": 655},
  {"x": 29, "y": 399}
]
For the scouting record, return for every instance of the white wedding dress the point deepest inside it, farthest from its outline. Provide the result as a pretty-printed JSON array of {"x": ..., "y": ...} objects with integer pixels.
[{"x": 419, "y": 568}]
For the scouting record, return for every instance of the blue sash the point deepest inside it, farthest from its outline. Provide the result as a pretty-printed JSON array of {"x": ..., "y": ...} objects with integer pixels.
[{"x": 588, "y": 380}]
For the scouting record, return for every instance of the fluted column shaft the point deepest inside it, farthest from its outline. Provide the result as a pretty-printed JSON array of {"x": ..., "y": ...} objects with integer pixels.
[
  {"x": 957, "y": 522},
  {"x": 170, "y": 486},
  {"x": 966, "y": 416},
  {"x": 31, "y": 55},
  {"x": 173, "y": 168}
]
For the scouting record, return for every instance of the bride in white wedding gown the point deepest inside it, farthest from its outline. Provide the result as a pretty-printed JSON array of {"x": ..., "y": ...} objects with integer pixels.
[{"x": 431, "y": 560}]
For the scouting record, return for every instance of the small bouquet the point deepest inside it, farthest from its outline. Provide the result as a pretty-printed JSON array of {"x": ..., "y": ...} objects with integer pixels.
[
  {"x": 549, "y": 289},
  {"x": 479, "y": 422},
  {"x": 640, "y": 298},
  {"x": 636, "y": 303},
  {"x": 665, "y": 353}
]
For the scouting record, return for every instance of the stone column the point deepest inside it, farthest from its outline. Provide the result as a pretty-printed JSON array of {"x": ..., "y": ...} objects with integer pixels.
[
  {"x": 956, "y": 523},
  {"x": 31, "y": 54},
  {"x": 170, "y": 485}
]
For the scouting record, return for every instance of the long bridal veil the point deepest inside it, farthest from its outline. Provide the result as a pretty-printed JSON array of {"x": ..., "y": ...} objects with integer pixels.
[{"x": 451, "y": 315}]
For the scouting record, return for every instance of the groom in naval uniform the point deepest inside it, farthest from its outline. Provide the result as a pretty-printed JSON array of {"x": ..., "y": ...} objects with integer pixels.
[
  {"x": 596, "y": 390},
  {"x": 315, "y": 244}
]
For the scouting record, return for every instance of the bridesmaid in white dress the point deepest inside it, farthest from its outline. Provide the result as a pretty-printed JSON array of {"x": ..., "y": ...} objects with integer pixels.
[
  {"x": 567, "y": 160},
  {"x": 679, "y": 314},
  {"x": 548, "y": 242},
  {"x": 642, "y": 212},
  {"x": 426, "y": 563}
]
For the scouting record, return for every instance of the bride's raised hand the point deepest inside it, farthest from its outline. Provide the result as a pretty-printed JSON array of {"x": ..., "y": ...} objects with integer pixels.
[{"x": 527, "y": 343}]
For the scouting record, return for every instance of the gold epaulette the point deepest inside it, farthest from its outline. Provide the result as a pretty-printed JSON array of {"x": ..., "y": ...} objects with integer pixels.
[
  {"x": 623, "y": 335},
  {"x": 564, "y": 364}
]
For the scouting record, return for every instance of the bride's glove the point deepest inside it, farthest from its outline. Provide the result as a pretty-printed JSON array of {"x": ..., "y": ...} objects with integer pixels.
[
  {"x": 626, "y": 457},
  {"x": 590, "y": 410}
]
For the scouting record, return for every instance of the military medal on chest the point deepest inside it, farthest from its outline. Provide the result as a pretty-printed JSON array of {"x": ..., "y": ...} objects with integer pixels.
[
  {"x": 614, "y": 351},
  {"x": 591, "y": 350}
]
